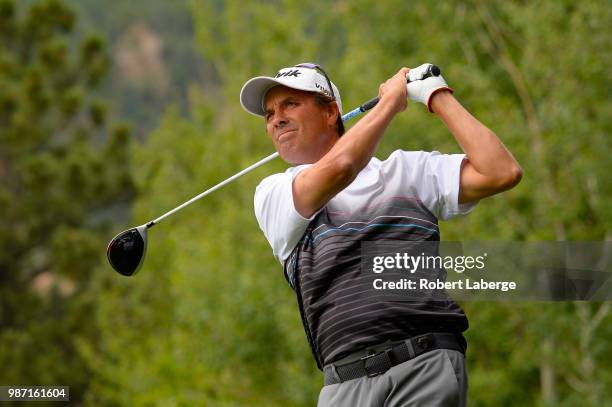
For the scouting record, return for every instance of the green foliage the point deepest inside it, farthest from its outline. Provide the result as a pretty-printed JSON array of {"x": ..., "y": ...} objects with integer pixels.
[
  {"x": 145, "y": 95},
  {"x": 61, "y": 169}
]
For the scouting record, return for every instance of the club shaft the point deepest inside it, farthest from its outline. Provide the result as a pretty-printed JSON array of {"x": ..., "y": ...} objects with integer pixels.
[
  {"x": 259, "y": 163},
  {"x": 214, "y": 188},
  {"x": 434, "y": 70}
]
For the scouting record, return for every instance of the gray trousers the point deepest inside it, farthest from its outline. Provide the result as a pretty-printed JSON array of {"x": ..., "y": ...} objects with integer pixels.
[{"x": 436, "y": 378}]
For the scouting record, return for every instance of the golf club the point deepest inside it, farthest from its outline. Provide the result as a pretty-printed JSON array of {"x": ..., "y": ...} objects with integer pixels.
[{"x": 126, "y": 251}]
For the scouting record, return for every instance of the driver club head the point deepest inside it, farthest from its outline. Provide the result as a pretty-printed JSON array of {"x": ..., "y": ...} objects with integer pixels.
[{"x": 126, "y": 251}]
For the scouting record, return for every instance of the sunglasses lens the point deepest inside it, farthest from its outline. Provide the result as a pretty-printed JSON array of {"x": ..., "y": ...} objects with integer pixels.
[{"x": 126, "y": 251}]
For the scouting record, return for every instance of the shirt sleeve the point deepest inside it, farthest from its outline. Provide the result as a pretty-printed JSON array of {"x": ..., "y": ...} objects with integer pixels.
[
  {"x": 275, "y": 211},
  {"x": 437, "y": 180}
]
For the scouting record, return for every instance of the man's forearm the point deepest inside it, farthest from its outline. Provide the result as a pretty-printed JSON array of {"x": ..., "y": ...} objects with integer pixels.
[
  {"x": 358, "y": 145},
  {"x": 316, "y": 185},
  {"x": 485, "y": 151}
]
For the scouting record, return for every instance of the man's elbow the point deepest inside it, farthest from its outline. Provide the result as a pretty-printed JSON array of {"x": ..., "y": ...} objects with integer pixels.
[{"x": 511, "y": 178}]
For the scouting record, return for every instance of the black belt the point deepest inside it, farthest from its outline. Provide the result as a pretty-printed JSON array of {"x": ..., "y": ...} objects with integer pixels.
[{"x": 374, "y": 363}]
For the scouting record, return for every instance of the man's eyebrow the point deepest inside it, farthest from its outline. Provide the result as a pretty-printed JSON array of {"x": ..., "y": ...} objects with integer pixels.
[{"x": 282, "y": 101}]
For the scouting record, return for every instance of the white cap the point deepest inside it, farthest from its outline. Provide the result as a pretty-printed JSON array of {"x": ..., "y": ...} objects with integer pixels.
[{"x": 253, "y": 93}]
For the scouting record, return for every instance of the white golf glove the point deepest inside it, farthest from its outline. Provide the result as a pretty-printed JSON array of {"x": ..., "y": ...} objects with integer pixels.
[{"x": 422, "y": 90}]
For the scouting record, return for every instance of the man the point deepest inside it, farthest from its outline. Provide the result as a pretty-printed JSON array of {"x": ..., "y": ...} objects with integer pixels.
[{"x": 337, "y": 197}]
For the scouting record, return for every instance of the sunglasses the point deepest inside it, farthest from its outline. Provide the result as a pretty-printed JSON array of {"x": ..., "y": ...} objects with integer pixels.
[{"x": 317, "y": 67}]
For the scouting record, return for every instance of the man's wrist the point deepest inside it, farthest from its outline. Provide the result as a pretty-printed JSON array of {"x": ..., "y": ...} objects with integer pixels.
[
  {"x": 390, "y": 104},
  {"x": 440, "y": 99}
]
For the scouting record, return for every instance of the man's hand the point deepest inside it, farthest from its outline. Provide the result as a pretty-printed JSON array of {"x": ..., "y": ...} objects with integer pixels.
[
  {"x": 423, "y": 90},
  {"x": 394, "y": 90}
]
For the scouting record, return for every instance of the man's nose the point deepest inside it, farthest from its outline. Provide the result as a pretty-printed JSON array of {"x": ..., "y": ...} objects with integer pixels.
[{"x": 279, "y": 120}]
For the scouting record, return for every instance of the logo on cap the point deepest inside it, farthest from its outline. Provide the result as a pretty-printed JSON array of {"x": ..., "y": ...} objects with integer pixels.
[
  {"x": 293, "y": 72},
  {"x": 323, "y": 89}
]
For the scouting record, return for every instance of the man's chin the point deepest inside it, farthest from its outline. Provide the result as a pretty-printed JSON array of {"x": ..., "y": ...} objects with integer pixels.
[
  {"x": 293, "y": 157},
  {"x": 290, "y": 158}
]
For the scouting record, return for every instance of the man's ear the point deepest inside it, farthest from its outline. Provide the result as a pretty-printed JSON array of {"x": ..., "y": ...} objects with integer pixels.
[{"x": 332, "y": 113}]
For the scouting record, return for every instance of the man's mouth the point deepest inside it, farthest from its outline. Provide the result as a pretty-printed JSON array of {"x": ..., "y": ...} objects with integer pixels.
[{"x": 284, "y": 134}]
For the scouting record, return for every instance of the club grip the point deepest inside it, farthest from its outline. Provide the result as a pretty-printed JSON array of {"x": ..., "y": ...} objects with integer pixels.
[
  {"x": 369, "y": 104},
  {"x": 432, "y": 70}
]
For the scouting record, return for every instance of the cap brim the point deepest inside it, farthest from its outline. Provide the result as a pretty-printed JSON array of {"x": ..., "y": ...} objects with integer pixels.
[{"x": 254, "y": 90}]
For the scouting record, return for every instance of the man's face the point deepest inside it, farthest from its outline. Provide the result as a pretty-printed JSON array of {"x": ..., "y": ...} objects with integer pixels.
[{"x": 302, "y": 130}]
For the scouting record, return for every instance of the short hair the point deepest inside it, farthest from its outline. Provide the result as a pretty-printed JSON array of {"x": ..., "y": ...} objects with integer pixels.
[{"x": 323, "y": 100}]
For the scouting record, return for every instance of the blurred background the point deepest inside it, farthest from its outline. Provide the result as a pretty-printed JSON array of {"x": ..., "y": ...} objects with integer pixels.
[{"x": 113, "y": 112}]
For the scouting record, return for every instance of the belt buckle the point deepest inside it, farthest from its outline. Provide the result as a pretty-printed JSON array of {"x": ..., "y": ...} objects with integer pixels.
[
  {"x": 423, "y": 342},
  {"x": 365, "y": 368},
  {"x": 365, "y": 358}
]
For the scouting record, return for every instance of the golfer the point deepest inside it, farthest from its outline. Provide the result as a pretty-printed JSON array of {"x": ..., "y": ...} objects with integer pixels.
[{"x": 336, "y": 196}]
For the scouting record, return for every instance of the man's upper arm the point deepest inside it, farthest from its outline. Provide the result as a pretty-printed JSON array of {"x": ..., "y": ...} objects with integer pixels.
[
  {"x": 474, "y": 186},
  {"x": 276, "y": 215},
  {"x": 318, "y": 184},
  {"x": 440, "y": 184}
]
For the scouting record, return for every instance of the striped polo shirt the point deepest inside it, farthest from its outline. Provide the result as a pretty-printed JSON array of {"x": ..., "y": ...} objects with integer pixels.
[{"x": 397, "y": 200}]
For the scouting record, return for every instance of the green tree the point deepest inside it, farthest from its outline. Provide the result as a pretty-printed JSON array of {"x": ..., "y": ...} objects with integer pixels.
[
  {"x": 141, "y": 89},
  {"x": 62, "y": 168}
]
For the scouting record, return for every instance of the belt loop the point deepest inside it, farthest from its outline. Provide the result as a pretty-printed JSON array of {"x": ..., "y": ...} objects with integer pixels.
[
  {"x": 336, "y": 374},
  {"x": 331, "y": 370},
  {"x": 408, "y": 343}
]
